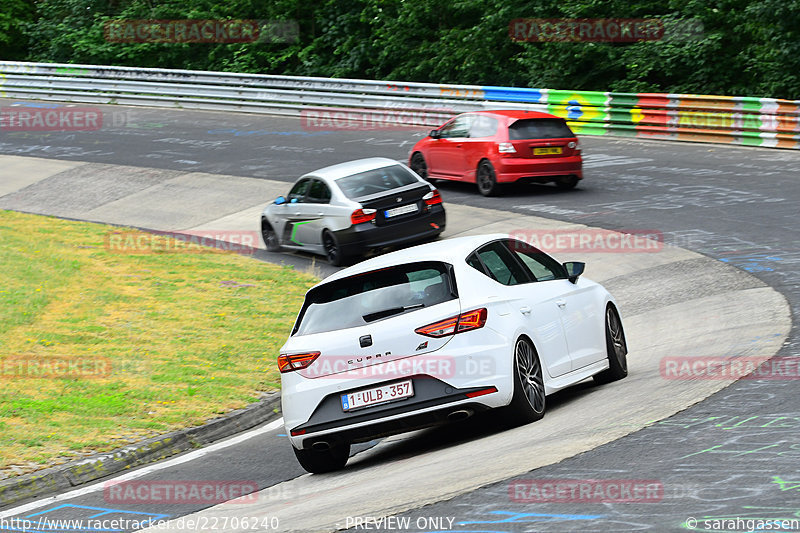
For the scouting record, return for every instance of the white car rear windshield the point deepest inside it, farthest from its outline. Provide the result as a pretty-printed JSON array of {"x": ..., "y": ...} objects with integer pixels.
[
  {"x": 376, "y": 181},
  {"x": 539, "y": 128},
  {"x": 374, "y": 296}
]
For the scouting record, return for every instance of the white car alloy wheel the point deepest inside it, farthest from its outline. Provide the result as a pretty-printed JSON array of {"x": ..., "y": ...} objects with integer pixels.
[
  {"x": 617, "y": 350},
  {"x": 528, "y": 403}
]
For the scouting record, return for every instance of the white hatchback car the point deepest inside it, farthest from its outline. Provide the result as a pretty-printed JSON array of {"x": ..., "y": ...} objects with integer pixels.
[{"x": 438, "y": 332}]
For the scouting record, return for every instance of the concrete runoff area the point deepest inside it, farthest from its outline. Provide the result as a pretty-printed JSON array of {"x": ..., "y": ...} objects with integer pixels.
[
  {"x": 19, "y": 172},
  {"x": 673, "y": 302}
]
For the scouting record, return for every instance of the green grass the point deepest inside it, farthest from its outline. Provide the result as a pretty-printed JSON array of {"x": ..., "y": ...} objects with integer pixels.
[{"x": 171, "y": 339}]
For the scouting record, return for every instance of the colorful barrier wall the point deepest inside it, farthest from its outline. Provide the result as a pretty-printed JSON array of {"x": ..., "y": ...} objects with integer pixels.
[
  {"x": 744, "y": 120},
  {"x": 766, "y": 122}
]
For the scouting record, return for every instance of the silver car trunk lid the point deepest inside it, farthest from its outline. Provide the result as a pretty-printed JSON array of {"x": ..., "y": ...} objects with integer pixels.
[{"x": 397, "y": 204}]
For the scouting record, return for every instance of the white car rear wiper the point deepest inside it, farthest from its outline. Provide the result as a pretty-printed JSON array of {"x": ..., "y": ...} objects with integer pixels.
[{"x": 370, "y": 317}]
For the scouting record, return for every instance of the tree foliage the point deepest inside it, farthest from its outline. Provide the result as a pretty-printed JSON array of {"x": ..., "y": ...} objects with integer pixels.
[
  {"x": 747, "y": 47},
  {"x": 15, "y": 18}
]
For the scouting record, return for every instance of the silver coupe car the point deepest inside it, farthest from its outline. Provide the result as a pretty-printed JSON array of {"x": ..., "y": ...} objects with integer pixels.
[{"x": 346, "y": 210}]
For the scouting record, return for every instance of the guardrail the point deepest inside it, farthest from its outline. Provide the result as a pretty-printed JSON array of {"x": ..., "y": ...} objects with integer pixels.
[{"x": 766, "y": 122}]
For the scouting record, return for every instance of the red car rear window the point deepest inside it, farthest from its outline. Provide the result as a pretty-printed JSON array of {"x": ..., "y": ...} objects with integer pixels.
[{"x": 539, "y": 128}]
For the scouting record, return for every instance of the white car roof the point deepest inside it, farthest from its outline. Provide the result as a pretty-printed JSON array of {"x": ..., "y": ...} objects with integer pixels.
[
  {"x": 449, "y": 250},
  {"x": 341, "y": 170}
]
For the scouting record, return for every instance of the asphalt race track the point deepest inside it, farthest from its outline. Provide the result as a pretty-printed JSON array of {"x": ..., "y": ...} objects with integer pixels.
[{"x": 732, "y": 455}]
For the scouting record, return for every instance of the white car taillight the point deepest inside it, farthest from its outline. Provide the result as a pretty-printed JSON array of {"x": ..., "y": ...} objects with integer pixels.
[
  {"x": 295, "y": 361},
  {"x": 455, "y": 324}
]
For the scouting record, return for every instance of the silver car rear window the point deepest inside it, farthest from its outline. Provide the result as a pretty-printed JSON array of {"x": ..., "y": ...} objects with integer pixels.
[
  {"x": 376, "y": 181},
  {"x": 373, "y": 296}
]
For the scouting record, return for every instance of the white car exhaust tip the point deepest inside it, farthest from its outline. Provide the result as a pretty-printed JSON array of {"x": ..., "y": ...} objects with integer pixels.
[
  {"x": 321, "y": 446},
  {"x": 461, "y": 414}
]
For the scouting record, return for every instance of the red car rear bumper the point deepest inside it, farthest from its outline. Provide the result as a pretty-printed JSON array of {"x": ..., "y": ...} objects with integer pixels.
[{"x": 513, "y": 168}]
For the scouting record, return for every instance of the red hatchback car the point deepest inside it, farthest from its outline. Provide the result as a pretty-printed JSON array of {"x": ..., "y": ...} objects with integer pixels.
[{"x": 492, "y": 148}]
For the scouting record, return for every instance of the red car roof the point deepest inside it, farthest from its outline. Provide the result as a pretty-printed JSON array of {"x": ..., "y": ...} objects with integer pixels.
[{"x": 517, "y": 113}]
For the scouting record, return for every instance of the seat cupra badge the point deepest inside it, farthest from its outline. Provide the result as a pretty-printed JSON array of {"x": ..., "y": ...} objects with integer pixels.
[{"x": 365, "y": 341}]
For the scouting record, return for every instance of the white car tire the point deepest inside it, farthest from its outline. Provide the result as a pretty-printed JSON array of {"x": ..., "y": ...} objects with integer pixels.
[{"x": 322, "y": 461}]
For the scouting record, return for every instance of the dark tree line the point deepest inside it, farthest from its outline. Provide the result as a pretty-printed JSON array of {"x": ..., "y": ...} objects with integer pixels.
[{"x": 747, "y": 47}]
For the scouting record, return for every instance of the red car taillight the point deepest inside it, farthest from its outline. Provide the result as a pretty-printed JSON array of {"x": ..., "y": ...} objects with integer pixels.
[
  {"x": 455, "y": 324},
  {"x": 360, "y": 216},
  {"x": 432, "y": 198},
  {"x": 289, "y": 362},
  {"x": 506, "y": 148}
]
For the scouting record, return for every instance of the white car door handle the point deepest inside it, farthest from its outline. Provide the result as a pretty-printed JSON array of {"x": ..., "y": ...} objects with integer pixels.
[
  {"x": 561, "y": 303},
  {"x": 525, "y": 310}
]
